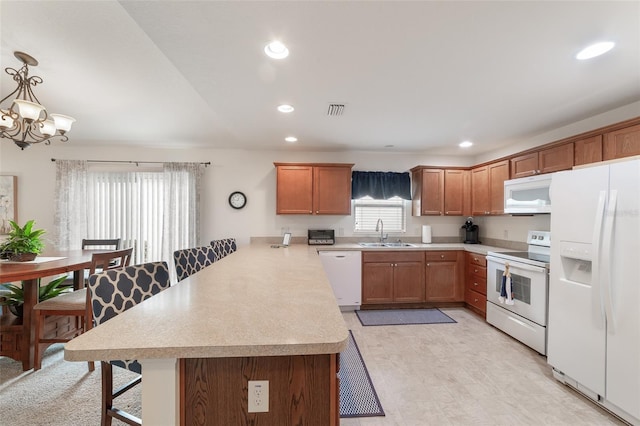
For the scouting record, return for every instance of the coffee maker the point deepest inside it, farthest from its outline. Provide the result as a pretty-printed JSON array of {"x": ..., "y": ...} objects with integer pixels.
[{"x": 470, "y": 232}]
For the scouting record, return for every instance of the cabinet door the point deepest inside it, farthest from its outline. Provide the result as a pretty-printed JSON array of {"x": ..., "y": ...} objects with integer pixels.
[
  {"x": 332, "y": 190},
  {"x": 454, "y": 192},
  {"x": 480, "y": 191},
  {"x": 432, "y": 191},
  {"x": 555, "y": 159},
  {"x": 444, "y": 273},
  {"x": 524, "y": 165},
  {"x": 294, "y": 189},
  {"x": 441, "y": 281},
  {"x": 587, "y": 150},
  {"x": 408, "y": 282},
  {"x": 622, "y": 143},
  {"x": 498, "y": 173},
  {"x": 377, "y": 282}
]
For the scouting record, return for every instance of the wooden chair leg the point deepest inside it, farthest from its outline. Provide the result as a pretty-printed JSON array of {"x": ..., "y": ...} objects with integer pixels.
[
  {"x": 107, "y": 393},
  {"x": 88, "y": 324},
  {"x": 39, "y": 325}
]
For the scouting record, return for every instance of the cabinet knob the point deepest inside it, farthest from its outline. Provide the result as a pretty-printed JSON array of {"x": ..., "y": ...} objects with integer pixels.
[
  {"x": 442, "y": 256},
  {"x": 475, "y": 270},
  {"x": 428, "y": 264},
  {"x": 317, "y": 211},
  {"x": 475, "y": 300},
  {"x": 475, "y": 259},
  {"x": 310, "y": 211},
  {"x": 476, "y": 284}
]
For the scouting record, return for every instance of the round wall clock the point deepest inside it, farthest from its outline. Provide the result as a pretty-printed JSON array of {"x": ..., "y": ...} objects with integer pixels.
[{"x": 237, "y": 200}]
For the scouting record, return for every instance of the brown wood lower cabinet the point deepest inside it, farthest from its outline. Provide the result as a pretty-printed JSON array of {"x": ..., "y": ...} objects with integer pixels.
[
  {"x": 392, "y": 277},
  {"x": 475, "y": 295},
  {"x": 303, "y": 390},
  {"x": 444, "y": 276}
]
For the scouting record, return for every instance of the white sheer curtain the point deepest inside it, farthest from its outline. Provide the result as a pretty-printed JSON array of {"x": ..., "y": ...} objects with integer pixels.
[
  {"x": 154, "y": 211},
  {"x": 70, "y": 204},
  {"x": 181, "y": 224}
]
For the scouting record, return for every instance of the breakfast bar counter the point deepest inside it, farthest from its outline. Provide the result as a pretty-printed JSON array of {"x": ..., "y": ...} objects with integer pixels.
[{"x": 267, "y": 313}]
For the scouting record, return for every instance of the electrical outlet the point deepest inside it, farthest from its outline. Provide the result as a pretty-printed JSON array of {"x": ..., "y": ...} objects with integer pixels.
[{"x": 258, "y": 396}]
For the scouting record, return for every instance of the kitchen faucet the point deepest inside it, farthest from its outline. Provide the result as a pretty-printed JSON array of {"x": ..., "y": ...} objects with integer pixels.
[{"x": 380, "y": 227}]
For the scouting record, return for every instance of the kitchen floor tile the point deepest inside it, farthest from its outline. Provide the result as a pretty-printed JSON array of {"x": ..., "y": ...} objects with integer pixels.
[{"x": 468, "y": 373}]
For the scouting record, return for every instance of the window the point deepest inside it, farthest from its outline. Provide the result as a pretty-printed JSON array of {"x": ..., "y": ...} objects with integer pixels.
[
  {"x": 129, "y": 206},
  {"x": 368, "y": 211}
]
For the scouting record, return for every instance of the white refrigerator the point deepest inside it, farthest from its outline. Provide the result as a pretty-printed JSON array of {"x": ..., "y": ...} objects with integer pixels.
[{"x": 594, "y": 287}]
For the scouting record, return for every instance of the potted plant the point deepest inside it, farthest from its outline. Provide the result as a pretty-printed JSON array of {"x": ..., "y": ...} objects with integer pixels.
[
  {"x": 14, "y": 296},
  {"x": 24, "y": 243}
]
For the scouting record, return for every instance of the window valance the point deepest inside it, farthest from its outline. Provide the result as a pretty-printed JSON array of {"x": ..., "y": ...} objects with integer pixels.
[{"x": 380, "y": 185}]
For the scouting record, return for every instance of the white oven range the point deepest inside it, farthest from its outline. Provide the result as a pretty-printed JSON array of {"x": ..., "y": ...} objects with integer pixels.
[{"x": 526, "y": 318}]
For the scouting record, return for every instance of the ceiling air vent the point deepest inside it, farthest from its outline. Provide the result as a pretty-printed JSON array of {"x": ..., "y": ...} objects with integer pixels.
[{"x": 335, "y": 110}]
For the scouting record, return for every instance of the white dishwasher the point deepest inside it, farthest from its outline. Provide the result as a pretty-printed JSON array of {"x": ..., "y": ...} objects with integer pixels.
[{"x": 344, "y": 270}]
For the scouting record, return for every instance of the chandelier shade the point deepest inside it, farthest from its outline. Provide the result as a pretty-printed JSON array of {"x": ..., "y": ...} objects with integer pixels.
[{"x": 24, "y": 119}]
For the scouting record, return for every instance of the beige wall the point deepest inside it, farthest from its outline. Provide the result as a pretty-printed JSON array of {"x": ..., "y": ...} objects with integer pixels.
[{"x": 254, "y": 174}]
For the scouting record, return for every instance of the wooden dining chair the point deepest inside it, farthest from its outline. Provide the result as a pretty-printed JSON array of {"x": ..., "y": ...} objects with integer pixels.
[
  {"x": 191, "y": 260},
  {"x": 113, "y": 292},
  {"x": 74, "y": 304},
  {"x": 94, "y": 244},
  {"x": 224, "y": 247}
]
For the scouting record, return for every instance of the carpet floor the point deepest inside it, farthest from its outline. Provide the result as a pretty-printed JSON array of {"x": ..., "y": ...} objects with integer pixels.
[
  {"x": 70, "y": 393},
  {"x": 403, "y": 317}
]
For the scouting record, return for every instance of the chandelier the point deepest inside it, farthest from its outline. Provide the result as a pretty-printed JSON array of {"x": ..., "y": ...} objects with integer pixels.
[{"x": 26, "y": 121}]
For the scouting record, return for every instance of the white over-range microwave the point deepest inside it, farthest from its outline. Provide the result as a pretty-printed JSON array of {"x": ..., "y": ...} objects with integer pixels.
[{"x": 528, "y": 195}]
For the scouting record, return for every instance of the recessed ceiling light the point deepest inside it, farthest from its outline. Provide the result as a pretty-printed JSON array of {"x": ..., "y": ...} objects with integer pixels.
[
  {"x": 276, "y": 50},
  {"x": 595, "y": 50},
  {"x": 285, "y": 108},
  {"x": 465, "y": 144},
  {"x": 291, "y": 139}
]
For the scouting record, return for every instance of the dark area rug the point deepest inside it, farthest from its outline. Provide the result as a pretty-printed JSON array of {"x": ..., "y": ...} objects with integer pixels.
[
  {"x": 403, "y": 316},
  {"x": 358, "y": 397}
]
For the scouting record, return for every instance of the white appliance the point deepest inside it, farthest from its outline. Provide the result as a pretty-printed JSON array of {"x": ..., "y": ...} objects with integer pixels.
[
  {"x": 594, "y": 299},
  {"x": 528, "y": 195},
  {"x": 525, "y": 318},
  {"x": 344, "y": 270}
]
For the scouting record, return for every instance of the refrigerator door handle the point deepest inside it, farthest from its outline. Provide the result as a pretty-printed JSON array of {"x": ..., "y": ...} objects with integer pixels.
[
  {"x": 596, "y": 283},
  {"x": 606, "y": 259}
]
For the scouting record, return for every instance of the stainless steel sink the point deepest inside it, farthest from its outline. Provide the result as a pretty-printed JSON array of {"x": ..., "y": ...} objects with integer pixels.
[
  {"x": 399, "y": 245},
  {"x": 390, "y": 245}
]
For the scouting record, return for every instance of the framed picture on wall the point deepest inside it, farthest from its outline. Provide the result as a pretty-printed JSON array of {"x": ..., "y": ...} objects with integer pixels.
[{"x": 8, "y": 202}]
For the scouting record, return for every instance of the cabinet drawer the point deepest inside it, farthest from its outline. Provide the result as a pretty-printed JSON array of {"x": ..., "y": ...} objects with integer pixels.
[
  {"x": 475, "y": 299},
  {"x": 477, "y": 270},
  {"x": 476, "y": 259},
  {"x": 477, "y": 283},
  {"x": 442, "y": 256},
  {"x": 392, "y": 256}
]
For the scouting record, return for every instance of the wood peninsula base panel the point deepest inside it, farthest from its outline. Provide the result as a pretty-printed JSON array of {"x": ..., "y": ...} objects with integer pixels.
[{"x": 303, "y": 390}]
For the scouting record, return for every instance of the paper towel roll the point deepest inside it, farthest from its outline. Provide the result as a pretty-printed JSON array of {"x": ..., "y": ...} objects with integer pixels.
[{"x": 426, "y": 234}]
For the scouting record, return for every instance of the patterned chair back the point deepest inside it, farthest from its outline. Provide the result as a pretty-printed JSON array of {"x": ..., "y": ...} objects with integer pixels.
[
  {"x": 224, "y": 247},
  {"x": 115, "y": 290},
  {"x": 191, "y": 260}
]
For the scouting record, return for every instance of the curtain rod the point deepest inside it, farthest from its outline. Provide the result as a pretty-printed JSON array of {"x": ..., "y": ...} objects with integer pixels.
[{"x": 208, "y": 163}]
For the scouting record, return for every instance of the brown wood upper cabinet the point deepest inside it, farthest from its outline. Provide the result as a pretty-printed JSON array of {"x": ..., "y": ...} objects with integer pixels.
[
  {"x": 544, "y": 161},
  {"x": 588, "y": 150},
  {"x": 439, "y": 192},
  {"x": 487, "y": 188},
  {"x": 306, "y": 188},
  {"x": 622, "y": 143}
]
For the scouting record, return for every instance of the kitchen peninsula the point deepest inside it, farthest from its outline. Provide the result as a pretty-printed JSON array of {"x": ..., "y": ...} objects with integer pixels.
[{"x": 260, "y": 313}]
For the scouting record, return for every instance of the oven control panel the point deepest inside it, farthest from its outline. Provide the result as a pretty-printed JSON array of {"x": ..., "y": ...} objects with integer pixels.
[{"x": 539, "y": 238}]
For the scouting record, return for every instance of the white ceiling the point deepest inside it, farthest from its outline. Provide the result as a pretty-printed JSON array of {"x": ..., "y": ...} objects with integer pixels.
[{"x": 421, "y": 76}]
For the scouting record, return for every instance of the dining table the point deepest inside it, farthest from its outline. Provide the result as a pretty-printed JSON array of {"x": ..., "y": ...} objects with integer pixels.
[{"x": 17, "y": 335}]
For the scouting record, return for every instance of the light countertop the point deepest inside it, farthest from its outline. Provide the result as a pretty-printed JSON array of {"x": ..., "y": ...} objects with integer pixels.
[
  {"x": 473, "y": 248},
  {"x": 258, "y": 301}
]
